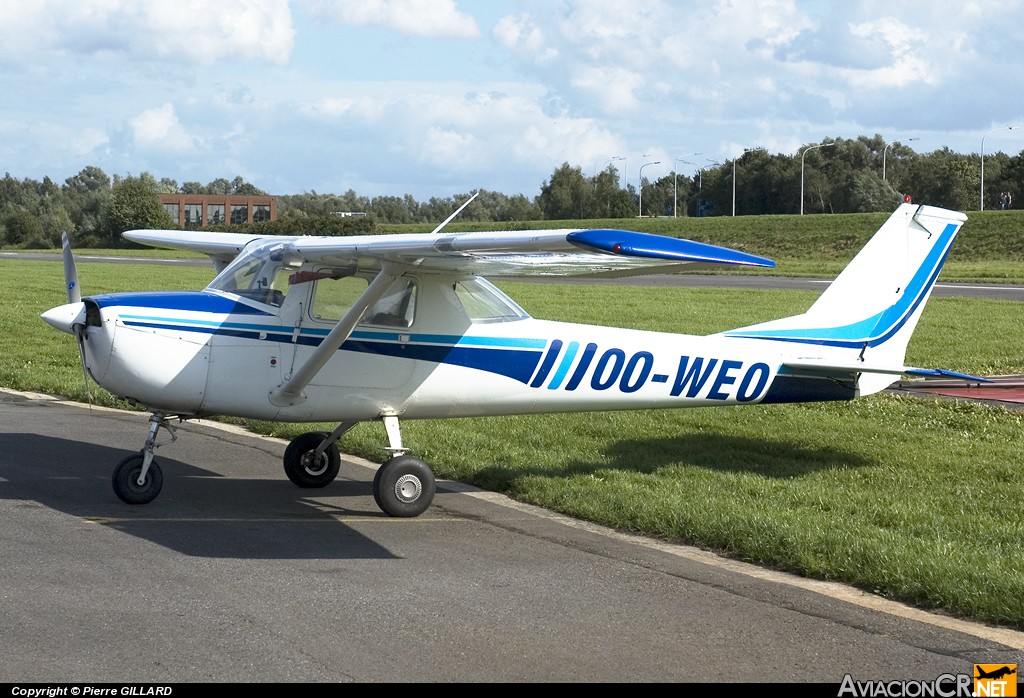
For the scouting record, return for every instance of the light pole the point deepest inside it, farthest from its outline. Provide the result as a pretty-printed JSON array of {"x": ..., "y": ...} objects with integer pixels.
[
  {"x": 641, "y": 211},
  {"x": 700, "y": 172},
  {"x": 700, "y": 184},
  {"x": 886, "y": 149},
  {"x": 625, "y": 179},
  {"x": 802, "y": 155},
  {"x": 981, "y": 204},
  {"x": 607, "y": 162},
  {"x": 675, "y": 184},
  {"x": 745, "y": 151}
]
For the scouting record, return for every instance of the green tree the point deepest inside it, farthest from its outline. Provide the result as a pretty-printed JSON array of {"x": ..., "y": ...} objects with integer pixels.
[
  {"x": 567, "y": 195},
  {"x": 21, "y": 228},
  {"x": 135, "y": 205},
  {"x": 88, "y": 180}
]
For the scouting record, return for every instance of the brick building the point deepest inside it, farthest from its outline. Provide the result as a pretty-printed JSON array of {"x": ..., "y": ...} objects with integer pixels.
[{"x": 200, "y": 210}]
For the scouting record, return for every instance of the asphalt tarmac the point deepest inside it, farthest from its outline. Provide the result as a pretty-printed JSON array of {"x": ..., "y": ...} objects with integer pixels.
[{"x": 233, "y": 575}]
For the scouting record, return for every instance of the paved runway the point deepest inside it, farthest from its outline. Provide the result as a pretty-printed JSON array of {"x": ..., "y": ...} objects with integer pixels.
[{"x": 235, "y": 575}]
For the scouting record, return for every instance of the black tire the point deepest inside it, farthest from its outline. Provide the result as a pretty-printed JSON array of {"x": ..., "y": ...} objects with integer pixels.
[
  {"x": 126, "y": 481},
  {"x": 404, "y": 486},
  {"x": 303, "y": 468}
]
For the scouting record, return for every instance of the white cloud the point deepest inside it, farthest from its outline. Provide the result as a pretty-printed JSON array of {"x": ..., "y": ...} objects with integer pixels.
[
  {"x": 521, "y": 35},
  {"x": 904, "y": 64},
  {"x": 433, "y": 18},
  {"x": 160, "y": 129},
  {"x": 191, "y": 31},
  {"x": 88, "y": 140},
  {"x": 432, "y": 96}
]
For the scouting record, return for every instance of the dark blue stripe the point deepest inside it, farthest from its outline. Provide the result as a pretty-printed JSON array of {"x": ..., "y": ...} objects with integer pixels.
[
  {"x": 516, "y": 364},
  {"x": 193, "y": 301},
  {"x": 549, "y": 361},
  {"x": 805, "y": 389}
]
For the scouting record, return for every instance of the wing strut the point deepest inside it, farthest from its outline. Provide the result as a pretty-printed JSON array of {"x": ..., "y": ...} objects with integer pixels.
[{"x": 290, "y": 392}]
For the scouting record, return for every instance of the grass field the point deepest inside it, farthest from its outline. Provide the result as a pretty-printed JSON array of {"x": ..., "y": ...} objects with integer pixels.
[{"x": 915, "y": 500}]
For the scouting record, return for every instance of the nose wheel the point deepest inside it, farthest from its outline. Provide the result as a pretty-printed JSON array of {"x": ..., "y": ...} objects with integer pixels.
[
  {"x": 131, "y": 486},
  {"x": 137, "y": 479}
]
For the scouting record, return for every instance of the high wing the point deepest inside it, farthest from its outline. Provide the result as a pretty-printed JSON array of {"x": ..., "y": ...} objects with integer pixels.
[{"x": 566, "y": 252}]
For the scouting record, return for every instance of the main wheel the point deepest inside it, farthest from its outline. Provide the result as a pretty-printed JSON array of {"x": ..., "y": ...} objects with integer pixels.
[
  {"x": 304, "y": 467},
  {"x": 126, "y": 481},
  {"x": 404, "y": 486}
]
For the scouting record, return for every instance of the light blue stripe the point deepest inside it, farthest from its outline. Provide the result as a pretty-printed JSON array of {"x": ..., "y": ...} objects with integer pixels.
[
  {"x": 878, "y": 328},
  {"x": 444, "y": 339},
  {"x": 183, "y": 323},
  {"x": 563, "y": 368}
]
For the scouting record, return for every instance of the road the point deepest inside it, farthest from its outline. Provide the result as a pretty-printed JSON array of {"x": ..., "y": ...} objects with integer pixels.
[{"x": 234, "y": 575}]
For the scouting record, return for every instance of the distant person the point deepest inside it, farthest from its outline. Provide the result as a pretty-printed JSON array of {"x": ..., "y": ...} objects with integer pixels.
[
  {"x": 1002, "y": 200},
  {"x": 1009, "y": 201}
]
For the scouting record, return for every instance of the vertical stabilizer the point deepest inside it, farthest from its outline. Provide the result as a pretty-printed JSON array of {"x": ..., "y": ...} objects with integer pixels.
[{"x": 869, "y": 312}]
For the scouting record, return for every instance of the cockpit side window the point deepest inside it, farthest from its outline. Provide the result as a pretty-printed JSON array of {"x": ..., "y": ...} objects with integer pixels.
[{"x": 334, "y": 296}]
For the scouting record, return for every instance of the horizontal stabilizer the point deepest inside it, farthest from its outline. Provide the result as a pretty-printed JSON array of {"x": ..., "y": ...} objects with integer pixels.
[{"x": 824, "y": 367}]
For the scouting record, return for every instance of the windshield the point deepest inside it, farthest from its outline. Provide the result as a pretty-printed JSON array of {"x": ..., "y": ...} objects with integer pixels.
[{"x": 259, "y": 273}]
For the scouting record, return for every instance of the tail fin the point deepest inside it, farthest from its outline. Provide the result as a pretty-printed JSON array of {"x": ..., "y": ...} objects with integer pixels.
[{"x": 863, "y": 321}]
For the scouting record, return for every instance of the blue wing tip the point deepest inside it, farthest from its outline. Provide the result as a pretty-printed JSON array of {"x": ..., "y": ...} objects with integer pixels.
[{"x": 633, "y": 244}]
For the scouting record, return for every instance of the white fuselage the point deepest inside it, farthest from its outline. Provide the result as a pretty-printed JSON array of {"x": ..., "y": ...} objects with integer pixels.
[{"x": 209, "y": 353}]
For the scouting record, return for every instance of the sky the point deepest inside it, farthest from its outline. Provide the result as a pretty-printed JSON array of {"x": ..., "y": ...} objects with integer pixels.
[{"x": 440, "y": 98}]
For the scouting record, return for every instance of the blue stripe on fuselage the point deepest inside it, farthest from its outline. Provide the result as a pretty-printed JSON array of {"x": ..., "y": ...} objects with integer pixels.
[
  {"x": 879, "y": 328},
  {"x": 192, "y": 301},
  {"x": 515, "y": 358}
]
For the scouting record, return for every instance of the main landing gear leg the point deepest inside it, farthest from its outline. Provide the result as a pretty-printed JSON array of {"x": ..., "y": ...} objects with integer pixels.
[
  {"x": 137, "y": 479},
  {"x": 403, "y": 486}
]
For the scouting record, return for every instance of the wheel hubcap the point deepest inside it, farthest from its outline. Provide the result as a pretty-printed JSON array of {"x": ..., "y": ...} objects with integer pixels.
[
  {"x": 408, "y": 488},
  {"x": 314, "y": 465}
]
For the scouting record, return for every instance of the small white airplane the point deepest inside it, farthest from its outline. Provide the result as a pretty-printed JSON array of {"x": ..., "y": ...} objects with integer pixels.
[{"x": 390, "y": 327}]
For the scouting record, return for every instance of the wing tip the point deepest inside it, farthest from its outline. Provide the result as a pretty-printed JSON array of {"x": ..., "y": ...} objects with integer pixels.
[{"x": 635, "y": 244}]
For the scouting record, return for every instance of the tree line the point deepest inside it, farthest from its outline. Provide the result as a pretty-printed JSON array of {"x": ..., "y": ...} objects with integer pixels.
[{"x": 833, "y": 176}]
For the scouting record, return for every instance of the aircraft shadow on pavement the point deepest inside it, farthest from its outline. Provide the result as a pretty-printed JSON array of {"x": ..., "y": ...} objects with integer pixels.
[{"x": 199, "y": 513}]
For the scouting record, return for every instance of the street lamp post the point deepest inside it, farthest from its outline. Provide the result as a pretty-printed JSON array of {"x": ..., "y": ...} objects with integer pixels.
[
  {"x": 981, "y": 203},
  {"x": 802, "y": 155},
  {"x": 608, "y": 162},
  {"x": 641, "y": 188},
  {"x": 886, "y": 149},
  {"x": 700, "y": 172},
  {"x": 675, "y": 184},
  {"x": 745, "y": 151},
  {"x": 625, "y": 161},
  {"x": 700, "y": 181}
]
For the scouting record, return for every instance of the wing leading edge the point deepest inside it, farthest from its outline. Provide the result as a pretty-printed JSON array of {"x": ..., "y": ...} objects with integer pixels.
[{"x": 587, "y": 252}]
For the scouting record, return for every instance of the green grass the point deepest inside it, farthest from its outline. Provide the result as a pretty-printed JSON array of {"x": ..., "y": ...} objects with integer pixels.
[{"x": 913, "y": 499}]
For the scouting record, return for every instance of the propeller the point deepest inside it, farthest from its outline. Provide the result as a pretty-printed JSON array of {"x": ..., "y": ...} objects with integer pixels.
[
  {"x": 70, "y": 272},
  {"x": 75, "y": 297}
]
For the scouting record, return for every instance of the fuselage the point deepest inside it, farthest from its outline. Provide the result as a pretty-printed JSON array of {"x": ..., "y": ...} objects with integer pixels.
[{"x": 462, "y": 349}]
